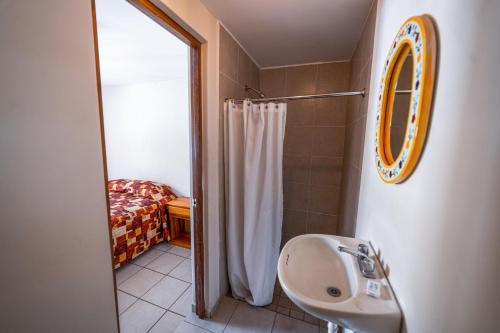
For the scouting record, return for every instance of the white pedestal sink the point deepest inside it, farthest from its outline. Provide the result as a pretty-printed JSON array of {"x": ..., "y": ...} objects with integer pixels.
[{"x": 311, "y": 264}]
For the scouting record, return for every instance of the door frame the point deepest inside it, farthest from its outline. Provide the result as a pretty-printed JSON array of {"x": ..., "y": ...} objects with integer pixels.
[{"x": 195, "y": 56}]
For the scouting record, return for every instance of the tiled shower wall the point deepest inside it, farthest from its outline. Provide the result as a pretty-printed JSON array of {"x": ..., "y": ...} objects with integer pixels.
[
  {"x": 357, "y": 109},
  {"x": 324, "y": 138},
  {"x": 314, "y": 144},
  {"x": 235, "y": 70}
]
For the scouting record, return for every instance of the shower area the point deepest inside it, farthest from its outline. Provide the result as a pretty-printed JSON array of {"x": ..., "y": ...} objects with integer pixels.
[{"x": 323, "y": 142}]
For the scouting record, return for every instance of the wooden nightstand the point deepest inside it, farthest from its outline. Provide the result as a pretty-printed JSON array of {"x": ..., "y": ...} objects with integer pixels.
[{"x": 179, "y": 214}]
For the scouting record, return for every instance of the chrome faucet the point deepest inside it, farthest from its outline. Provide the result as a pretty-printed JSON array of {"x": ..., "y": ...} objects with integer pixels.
[{"x": 365, "y": 263}]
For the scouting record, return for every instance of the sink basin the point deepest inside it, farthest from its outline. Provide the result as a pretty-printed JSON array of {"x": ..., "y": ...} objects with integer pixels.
[{"x": 328, "y": 284}]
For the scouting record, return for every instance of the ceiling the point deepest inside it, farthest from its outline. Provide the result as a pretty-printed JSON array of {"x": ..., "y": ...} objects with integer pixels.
[
  {"x": 135, "y": 49},
  {"x": 287, "y": 32}
]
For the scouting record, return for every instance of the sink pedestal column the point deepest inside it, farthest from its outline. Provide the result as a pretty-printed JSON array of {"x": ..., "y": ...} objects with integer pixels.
[{"x": 334, "y": 328}]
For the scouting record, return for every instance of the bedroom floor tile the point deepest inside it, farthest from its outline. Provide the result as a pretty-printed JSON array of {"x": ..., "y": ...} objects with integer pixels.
[
  {"x": 138, "y": 284},
  {"x": 140, "y": 317},
  {"x": 183, "y": 305},
  {"x": 124, "y": 301},
  {"x": 145, "y": 258},
  {"x": 163, "y": 246},
  {"x": 165, "y": 263},
  {"x": 166, "y": 292},
  {"x": 182, "y": 271},
  {"x": 124, "y": 272},
  {"x": 168, "y": 323},
  {"x": 180, "y": 251}
]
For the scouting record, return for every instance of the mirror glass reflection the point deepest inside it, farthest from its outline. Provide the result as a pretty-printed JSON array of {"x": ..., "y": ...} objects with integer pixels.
[{"x": 401, "y": 106}]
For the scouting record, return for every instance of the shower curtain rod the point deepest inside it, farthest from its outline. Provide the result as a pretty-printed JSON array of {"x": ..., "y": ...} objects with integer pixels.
[{"x": 293, "y": 98}]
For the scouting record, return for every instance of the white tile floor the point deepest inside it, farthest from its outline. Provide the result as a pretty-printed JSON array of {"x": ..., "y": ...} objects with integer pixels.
[
  {"x": 154, "y": 290},
  {"x": 155, "y": 294}
]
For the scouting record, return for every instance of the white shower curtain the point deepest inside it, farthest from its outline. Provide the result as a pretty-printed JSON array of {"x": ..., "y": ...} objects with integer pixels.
[{"x": 253, "y": 156}]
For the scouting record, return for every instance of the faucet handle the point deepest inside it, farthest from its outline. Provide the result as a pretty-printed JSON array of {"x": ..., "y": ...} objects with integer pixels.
[{"x": 363, "y": 248}]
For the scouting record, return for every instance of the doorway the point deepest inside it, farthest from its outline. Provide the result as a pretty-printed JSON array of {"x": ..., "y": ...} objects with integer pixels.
[{"x": 172, "y": 224}]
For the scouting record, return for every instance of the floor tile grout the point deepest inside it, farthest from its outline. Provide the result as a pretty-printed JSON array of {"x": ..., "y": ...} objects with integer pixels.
[
  {"x": 274, "y": 322},
  {"x": 163, "y": 276},
  {"x": 173, "y": 277},
  {"x": 156, "y": 322},
  {"x": 280, "y": 300},
  {"x": 168, "y": 271},
  {"x": 159, "y": 306},
  {"x": 151, "y": 286},
  {"x": 232, "y": 314},
  {"x": 145, "y": 267},
  {"x": 178, "y": 298},
  {"x": 128, "y": 307}
]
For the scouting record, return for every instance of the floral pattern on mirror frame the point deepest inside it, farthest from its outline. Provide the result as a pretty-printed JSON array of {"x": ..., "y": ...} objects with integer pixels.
[{"x": 410, "y": 32}]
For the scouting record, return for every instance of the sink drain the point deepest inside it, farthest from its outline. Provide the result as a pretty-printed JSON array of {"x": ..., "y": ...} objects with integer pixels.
[{"x": 333, "y": 291}]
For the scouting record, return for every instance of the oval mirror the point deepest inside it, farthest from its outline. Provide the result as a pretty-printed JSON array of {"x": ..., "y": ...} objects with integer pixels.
[{"x": 404, "y": 100}]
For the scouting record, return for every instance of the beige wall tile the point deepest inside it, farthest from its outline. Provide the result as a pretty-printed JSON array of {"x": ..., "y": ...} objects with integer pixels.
[
  {"x": 248, "y": 73},
  {"x": 321, "y": 223},
  {"x": 295, "y": 196},
  {"x": 228, "y": 63},
  {"x": 301, "y": 80},
  {"x": 351, "y": 109},
  {"x": 352, "y": 178},
  {"x": 357, "y": 111},
  {"x": 314, "y": 142},
  {"x": 228, "y": 89},
  {"x": 333, "y": 77},
  {"x": 300, "y": 112},
  {"x": 326, "y": 171},
  {"x": 294, "y": 223},
  {"x": 272, "y": 82},
  {"x": 296, "y": 169},
  {"x": 298, "y": 140},
  {"x": 358, "y": 139},
  {"x": 324, "y": 199},
  {"x": 330, "y": 111},
  {"x": 328, "y": 141}
]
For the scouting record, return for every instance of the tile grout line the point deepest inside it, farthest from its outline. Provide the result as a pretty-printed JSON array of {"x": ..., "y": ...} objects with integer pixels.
[
  {"x": 159, "y": 306},
  {"x": 168, "y": 310},
  {"x": 118, "y": 286},
  {"x": 164, "y": 276},
  {"x": 170, "y": 271},
  {"x": 274, "y": 321},
  {"x": 232, "y": 314},
  {"x": 141, "y": 268},
  {"x": 156, "y": 322},
  {"x": 182, "y": 294},
  {"x": 310, "y": 158},
  {"x": 128, "y": 307}
]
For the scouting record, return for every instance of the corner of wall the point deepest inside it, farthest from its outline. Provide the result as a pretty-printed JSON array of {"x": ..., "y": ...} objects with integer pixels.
[
  {"x": 356, "y": 126},
  {"x": 236, "y": 69}
]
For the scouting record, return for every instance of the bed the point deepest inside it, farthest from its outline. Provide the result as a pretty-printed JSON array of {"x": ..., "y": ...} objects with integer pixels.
[{"x": 138, "y": 212}]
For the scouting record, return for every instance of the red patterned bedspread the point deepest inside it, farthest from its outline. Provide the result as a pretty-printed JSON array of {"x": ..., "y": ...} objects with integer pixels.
[{"x": 138, "y": 217}]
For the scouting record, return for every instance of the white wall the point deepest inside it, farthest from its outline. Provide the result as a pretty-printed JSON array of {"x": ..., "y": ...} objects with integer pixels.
[
  {"x": 439, "y": 232},
  {"x": 147, "y": 132},
  {"x": 56, "y": 273}
]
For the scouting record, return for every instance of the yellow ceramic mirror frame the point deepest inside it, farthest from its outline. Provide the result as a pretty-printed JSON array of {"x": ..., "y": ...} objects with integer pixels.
[{"x": 417, "y": 36}]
